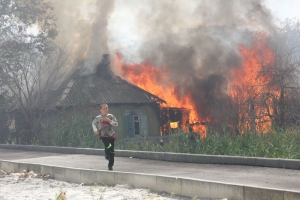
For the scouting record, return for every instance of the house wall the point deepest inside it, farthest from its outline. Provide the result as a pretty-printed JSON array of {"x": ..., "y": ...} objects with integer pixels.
[
  {"x": 120, "y": 111},
  {"x": 73, "y": 122}
]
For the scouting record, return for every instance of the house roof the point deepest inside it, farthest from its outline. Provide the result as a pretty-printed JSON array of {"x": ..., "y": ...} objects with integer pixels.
[{"x": 93, "y": 90}]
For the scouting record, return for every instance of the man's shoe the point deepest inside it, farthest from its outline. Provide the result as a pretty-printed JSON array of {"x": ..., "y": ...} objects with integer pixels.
[{"x": 110, "y": 168}]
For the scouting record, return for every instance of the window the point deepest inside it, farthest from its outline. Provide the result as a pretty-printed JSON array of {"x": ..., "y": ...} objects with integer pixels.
[{"x": 136, "y": 125}]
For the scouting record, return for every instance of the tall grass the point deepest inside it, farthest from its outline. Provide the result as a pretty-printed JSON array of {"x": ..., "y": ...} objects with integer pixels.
[
  {"x": 74, "y": 129},
  {"x": 276, "y": 144}
]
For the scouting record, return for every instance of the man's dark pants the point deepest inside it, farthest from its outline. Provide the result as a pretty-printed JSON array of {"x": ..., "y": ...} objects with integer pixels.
[{"x": 109, "y": 150}]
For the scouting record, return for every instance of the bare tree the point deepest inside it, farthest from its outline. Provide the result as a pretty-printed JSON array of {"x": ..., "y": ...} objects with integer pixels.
[
  {"x": 286, "y": 75},
  {"x": 30, "y": 63},
  {"x": 30, "y": 77}
]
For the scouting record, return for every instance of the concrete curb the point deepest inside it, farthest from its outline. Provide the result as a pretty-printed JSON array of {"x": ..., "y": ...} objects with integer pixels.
[
  {"x": 172, "y": 157},
  {"x": 179, "y": 186}
]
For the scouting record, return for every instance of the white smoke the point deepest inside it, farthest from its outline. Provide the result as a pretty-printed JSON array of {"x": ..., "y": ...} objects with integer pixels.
[{"x": 82, "y": 26}]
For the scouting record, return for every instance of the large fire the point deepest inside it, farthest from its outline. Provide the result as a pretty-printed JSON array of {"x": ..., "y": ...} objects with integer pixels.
[
  {"x": 156, "y": 81},
  {"x": 249, "y": 87}
]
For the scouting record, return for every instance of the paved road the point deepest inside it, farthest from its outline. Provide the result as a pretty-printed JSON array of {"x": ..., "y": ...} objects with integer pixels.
[{"x": 233, "y": 174}]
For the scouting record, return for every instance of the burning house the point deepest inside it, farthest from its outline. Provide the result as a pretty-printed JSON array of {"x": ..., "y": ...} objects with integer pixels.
[
  {"x": 242, "y": 98},
  {"x": 139, "y": 112}
]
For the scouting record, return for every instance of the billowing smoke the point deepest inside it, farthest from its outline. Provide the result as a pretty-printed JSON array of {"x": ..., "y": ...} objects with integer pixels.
[
  {"x": 82, "y": 27},
  {"x": 199, "y": 42}
]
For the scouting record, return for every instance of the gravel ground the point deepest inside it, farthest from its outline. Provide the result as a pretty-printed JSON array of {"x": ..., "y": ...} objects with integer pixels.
[{"x": 14, "y": 187}]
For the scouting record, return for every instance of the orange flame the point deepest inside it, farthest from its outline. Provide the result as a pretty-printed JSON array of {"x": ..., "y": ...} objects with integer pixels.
[
  {"x": 156, "y": 81},
  {"x": 250, "y": 86}
]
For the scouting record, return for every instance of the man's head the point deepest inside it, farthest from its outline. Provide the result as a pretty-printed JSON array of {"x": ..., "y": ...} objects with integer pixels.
[{"x": 104, "y": 109}]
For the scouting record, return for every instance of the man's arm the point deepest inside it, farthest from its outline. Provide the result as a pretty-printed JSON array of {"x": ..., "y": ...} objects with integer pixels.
[
  {"x": 113, "y": 121},
  {"x": 94, "y": 127}
]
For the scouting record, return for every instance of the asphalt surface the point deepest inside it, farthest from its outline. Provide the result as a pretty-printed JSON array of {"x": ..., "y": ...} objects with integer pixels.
[{"x": 232, "y": 174}]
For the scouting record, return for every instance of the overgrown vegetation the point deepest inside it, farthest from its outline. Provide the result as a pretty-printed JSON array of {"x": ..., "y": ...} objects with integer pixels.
[
  {"x": 72, "y": 128},
  {"x": 276, "y": 144}
]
